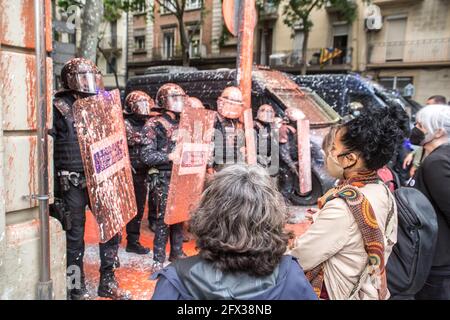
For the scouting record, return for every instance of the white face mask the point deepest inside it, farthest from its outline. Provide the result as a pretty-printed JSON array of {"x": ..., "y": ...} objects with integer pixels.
[{"x": 334, "y": 167}]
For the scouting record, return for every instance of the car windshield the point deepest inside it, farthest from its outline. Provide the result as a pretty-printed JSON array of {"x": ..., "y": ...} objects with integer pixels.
[{"x": 288, "y": 94}]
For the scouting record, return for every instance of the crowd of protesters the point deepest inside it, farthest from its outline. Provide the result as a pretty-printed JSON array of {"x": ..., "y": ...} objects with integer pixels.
[{"x": 244, "y": 250}]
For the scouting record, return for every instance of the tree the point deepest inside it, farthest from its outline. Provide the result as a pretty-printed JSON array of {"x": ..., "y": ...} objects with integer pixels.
[
  {"x": 94, "y": 12},
  {"x": 298, "y": 12},
  {"x": 178, "y": 8}
]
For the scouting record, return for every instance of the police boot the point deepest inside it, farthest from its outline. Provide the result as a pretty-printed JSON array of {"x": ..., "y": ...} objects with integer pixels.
[
  {"x": 79, "y": 294},
  {"x": 109, "y": 288},
  {"x": 137, "y": 247}
]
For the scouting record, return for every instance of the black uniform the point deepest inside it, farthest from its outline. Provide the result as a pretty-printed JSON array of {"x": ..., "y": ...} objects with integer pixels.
[
  {"x": 229, "y": 138},
  {"x": 288, "y": 162},
  {"x": 264, "y": 142},
  {"x": 158, "y": 142},
  {"x": 134, "y": 126},
  {"x": 70, "y": 187}
]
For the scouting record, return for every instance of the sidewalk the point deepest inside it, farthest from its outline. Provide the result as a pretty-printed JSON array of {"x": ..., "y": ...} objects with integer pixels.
[{"x": 134, "y": 269}]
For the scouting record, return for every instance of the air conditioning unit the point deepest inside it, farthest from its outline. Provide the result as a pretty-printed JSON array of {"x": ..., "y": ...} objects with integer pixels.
[{"x": 374, "y": 19}]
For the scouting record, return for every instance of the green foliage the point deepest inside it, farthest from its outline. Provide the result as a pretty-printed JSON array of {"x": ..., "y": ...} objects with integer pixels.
[
  {"x": 113, "y": 8},
  {"x": 297, "y": 12}
]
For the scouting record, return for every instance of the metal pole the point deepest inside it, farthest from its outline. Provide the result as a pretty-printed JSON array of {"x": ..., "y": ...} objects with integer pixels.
[
  {"x": 246, "y": 30},
  {"x": 126, "y": 52},
  {"x": 45, "y": 285},
  {"x": 245, "y": 49}
]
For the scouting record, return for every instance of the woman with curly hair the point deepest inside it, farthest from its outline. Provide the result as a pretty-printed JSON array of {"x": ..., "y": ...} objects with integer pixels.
[
  {"x": 239, "y": 229},
  {"x": 346, "y": 248}
]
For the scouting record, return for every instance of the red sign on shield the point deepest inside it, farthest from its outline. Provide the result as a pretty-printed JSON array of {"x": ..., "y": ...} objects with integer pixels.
[
  {"x": 194, "y": 138},
  {"x": 101, "y": 134}
]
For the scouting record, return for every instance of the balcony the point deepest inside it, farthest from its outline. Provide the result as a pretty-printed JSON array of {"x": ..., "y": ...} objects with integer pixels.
[
  {"x": 268, "y": 11},
  {"x": 396, "y": 2},
  {"x": 111, "y": 43},
  {"x": 332, "y": 9},
  {"x": 404, "y": 53},
  {"x": 293, "y": 59}
]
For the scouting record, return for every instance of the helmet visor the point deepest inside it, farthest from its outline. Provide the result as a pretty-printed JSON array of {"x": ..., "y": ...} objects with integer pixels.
[
  {"x": 266, "y": 116},
  {"x": 230, "y": 109},
  {"x": 87, "y": 83},
  {"x": 175, "y": 103},
  {"x": 141, "y": 108}
]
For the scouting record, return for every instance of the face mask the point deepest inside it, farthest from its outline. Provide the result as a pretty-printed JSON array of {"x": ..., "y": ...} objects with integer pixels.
[
  {"x": 334, "y": 168},
  {"x": 419, "y": 138}
]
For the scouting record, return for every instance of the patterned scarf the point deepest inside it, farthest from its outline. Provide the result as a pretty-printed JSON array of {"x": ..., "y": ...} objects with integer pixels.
[{"x": 365, "y": 218}]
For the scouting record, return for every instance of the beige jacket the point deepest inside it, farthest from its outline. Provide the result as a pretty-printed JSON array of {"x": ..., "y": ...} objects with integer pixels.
[{"x": 334, "y": 238}]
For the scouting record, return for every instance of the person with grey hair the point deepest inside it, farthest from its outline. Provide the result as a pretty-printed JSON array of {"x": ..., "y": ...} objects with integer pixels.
[
  {"x": 239, "y": 228},
  {"x": 432, "y": 131}
]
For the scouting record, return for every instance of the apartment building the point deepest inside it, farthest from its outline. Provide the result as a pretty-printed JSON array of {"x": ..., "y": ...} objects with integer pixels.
[
  {"x": 112, "y": 56},
  {"x": 154, "y": 39},
  {"x": 411, "y": 47}
]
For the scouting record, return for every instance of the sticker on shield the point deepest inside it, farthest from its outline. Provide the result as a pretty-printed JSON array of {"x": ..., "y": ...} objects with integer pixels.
[
  {"x": 196, "y": 131},
  {"x": 194, "y": 157},
  {"x": 101, "y": 134},
  {"x": 108, "y": 156}
]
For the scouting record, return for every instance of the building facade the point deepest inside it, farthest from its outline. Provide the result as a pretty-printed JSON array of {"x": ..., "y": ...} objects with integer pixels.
[
  {"x": 412, "y": 46},
  {"x": 154, "y": 38},
  {"x": 112, "y": 53},
  {"x": 20, "y": 253}
]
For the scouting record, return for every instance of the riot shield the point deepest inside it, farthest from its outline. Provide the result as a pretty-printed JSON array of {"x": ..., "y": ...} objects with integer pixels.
[
  {"x": 304, "y": 157},
  {"x": 103, "y": 142},
  {"x": 194, "y": 138},
  {"x": 249, "y": 137}
]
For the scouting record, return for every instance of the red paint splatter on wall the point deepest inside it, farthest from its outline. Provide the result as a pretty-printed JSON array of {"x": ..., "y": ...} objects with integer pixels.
[
  {"x": 32, "y": 160},
  {"x": 30, "y": 62}
]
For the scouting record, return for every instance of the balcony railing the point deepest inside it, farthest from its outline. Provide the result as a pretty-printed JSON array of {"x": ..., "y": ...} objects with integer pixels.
[
  {"x": 417, "y": 51},
  {"x": 166, "y": 53},
  {"x": 382, "y": 2},
  {"x": 293, "y": 58}
]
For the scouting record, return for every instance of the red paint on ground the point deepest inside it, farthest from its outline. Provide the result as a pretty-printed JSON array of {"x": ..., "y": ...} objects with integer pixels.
[{"x": 133, "y": 276}]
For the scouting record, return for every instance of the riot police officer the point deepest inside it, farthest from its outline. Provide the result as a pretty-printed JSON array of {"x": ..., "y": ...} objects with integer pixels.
[
  {"x": 158, "y": 151},
  {"x": 80, "y": 79},
  {"x": 264, "y": 125},
  {"x": 138, "y": 106},
  {"x": 229, "y": 137}
]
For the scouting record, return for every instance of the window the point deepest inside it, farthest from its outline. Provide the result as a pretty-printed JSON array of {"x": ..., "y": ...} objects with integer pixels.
[
  {"x": 396, "y": 83},
  {"x": 168, "y": 45},
  {"x": 139, "y": 43},
  {"x": 112, "y": 65},
  {"x": 167, "y": 4},
  {"x": 194, "y": 44},
  {"x": 395, "y": 38},
  {"x": 340, "y": 41},
  {"x": 193, "y": 4}
]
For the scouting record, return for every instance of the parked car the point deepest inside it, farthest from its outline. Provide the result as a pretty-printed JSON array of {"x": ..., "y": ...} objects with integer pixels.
[
  {"x": 345, "y": 92},
  {"x": 269, "y": 86}
]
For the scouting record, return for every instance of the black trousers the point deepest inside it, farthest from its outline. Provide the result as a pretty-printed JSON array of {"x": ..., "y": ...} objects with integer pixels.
[
  {"x": 152, "y": 207},
  {"x": 286, "y": 182},
  {"x": 163, "y": 231},
  {"x": 141, "y": 191},
  {"x": 437, "y": 287},
  {"x": 76, "y": 200}
]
